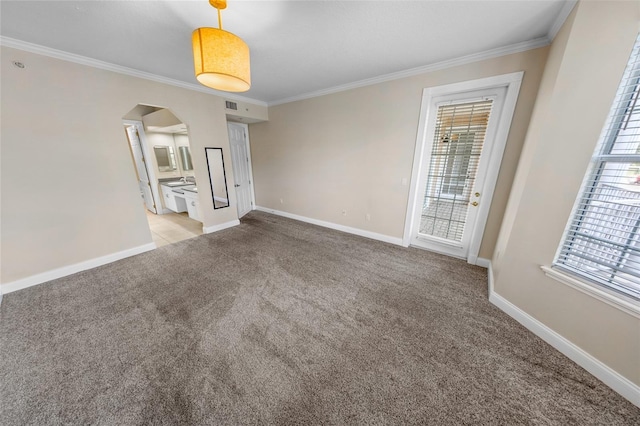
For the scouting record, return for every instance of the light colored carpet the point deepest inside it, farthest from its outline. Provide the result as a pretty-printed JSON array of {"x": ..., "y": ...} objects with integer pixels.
[{"x": 280, "y": 322}]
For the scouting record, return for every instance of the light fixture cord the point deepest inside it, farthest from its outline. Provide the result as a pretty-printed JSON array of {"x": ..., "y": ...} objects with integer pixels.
[{"x": 219, "y": 19}]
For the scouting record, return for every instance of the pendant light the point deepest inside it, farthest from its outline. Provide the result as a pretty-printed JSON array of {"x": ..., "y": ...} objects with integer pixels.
[{"x": 221, "y": 59}]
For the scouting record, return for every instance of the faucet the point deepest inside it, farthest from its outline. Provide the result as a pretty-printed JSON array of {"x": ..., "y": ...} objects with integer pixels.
[{"x": 183, "y": 179}]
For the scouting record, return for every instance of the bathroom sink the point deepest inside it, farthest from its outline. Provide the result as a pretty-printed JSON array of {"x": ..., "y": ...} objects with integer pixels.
[{"x": 177, "y": 183}]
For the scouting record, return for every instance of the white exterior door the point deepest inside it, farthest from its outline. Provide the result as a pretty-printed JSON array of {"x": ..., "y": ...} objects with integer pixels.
[
  {"x": 241, "y": 160},
  {"x": 462, "y": 134},
  {"x": 141, "y": 168}
]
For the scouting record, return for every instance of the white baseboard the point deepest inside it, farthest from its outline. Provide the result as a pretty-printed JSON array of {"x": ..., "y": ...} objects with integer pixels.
[
  {"x": 220, "y": 227},
  {"x": 347, "y": 229},
  {"x": 72, "y": 269},
  {"x": 490, "y": 279},
  {"x": 611, "y": 378},
  {"x": 482, "y": 262}
]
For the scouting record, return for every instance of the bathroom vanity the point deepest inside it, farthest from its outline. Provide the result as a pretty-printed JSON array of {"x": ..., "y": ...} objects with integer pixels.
[{"x": 182, "y": 197}]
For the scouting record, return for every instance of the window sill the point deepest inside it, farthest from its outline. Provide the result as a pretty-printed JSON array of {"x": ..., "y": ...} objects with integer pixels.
[{"x": 618, "y": 302}]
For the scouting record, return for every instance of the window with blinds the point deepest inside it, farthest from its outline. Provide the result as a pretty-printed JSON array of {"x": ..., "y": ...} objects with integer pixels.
[
  {"x": 602, "y": 240},
  {"x": 459, "y": 136}
]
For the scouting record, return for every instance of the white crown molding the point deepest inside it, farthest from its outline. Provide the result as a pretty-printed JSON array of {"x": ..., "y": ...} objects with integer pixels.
[
  {"x": 463, "y": 60},
  {"x": 83, "y": 60},
  {"x": 562, "y": 16},
  {"x": 475, "y": 57}
]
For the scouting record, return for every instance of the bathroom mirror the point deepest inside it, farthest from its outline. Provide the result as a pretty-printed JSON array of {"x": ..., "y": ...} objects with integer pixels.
[
  {"x": 165, "y": 157},
  {"x": 217, "y": 177},
  {"x": 185, "y": 158}
]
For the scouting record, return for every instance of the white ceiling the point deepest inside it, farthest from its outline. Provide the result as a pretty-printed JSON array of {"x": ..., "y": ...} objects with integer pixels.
[{"x": 298, "y": 48}]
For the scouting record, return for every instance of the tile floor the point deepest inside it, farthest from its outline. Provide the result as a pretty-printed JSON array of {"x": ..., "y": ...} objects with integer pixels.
[{"x": 172, "y": 227}]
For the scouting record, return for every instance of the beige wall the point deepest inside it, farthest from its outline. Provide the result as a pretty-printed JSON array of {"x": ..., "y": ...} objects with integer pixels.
[
  {"x": 585, "y": 65},
  {"x": 351, "y": 150},
  {"x": 68, "y": 185}
]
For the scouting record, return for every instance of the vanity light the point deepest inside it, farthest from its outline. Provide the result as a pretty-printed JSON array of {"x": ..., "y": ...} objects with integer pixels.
[{"x": 221, "y": 59}]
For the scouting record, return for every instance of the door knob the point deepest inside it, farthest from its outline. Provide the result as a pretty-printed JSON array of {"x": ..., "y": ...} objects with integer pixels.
[
  {"x": 474, "y": 204},
  {"x": 477, "y": 194}
]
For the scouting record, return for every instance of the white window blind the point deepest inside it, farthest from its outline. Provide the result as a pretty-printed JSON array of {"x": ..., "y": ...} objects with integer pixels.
[
  {"x": 455, "y": 156},
  {"x": 602, "y": 240}
]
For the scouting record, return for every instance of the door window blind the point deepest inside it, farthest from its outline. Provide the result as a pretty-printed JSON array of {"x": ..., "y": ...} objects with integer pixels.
[
  {"x": 455, "y": 155},
  {"x": 602, "y": 240}
]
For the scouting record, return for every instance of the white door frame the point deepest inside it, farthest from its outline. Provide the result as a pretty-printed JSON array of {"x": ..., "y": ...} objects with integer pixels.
[
  {"x": 245, "y": 126},
  {"x": 150, "y": 172},
  {"x": 512, "y": 82}
]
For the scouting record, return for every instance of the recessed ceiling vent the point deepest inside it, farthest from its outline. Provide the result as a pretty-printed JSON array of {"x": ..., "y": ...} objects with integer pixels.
[{"x": 231, "y": 105}]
